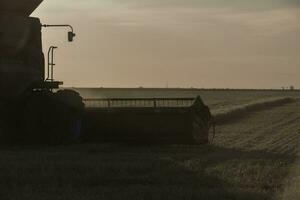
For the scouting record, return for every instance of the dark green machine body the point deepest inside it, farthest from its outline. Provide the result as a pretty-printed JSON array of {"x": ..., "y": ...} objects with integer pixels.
[
  {"x": 30, "y": 112},
  {"x": 21, "y": 57}
]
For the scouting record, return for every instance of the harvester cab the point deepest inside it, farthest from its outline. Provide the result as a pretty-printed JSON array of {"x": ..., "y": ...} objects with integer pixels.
[{"x": 30, "y": 111}]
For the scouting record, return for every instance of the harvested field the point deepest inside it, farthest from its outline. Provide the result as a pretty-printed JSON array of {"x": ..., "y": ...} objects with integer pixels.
[
  {"x": 252, "y": 158},
  {"x": 235, "y": 111},
  {"x": 292, "y": 191}
]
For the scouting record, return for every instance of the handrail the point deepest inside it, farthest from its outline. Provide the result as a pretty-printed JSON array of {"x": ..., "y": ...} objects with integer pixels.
[
  {"x": 138, "y": 102},
  {"x": 125, "y": 99},
  {"x": 51, "y": 64}
]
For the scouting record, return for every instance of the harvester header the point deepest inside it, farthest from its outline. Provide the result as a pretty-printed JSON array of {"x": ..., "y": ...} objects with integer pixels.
[{"x": 19, "y": 7}]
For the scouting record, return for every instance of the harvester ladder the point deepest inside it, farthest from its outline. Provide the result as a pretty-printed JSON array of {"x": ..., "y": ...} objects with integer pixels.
[{"x": 51, "y": 64}]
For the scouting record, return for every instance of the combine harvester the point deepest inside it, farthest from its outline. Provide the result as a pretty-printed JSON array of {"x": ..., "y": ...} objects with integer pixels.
[
  {"x": 31, "y": 112},
  {"x": 35, "y": 111}
]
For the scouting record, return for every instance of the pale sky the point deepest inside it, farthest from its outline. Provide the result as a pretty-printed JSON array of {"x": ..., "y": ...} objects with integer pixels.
[{"x": 179, "y": 43}]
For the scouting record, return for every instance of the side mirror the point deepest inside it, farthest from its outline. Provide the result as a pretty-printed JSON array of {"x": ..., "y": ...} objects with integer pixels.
[{"x": 71, "y": 36}]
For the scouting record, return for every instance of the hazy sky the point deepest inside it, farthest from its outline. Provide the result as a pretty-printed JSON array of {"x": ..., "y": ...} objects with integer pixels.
[{"x": 182, "y": 43}]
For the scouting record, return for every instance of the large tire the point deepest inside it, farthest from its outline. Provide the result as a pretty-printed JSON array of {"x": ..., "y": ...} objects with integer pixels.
[
  {"x": 71, "y": 111},
  {"x": 10, "y": 119},
  {"x": 52, "y": 118},
  {"x": 39, "y": 119}
]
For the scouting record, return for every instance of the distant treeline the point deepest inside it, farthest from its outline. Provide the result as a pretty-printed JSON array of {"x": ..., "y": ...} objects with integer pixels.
[{"x": 189, "y": 89}]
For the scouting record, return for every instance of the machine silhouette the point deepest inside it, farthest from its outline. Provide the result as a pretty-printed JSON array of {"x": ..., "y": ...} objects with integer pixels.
[
  {"x": 35, "y": 111},
  {"x": 31, "y": 111}
]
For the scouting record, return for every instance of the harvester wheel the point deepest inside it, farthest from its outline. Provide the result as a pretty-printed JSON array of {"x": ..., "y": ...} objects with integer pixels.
[
  {"x": 52, "y": 118},
  {"x": 37, "y": 119},
  {"x": 71, "y": 109}
]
